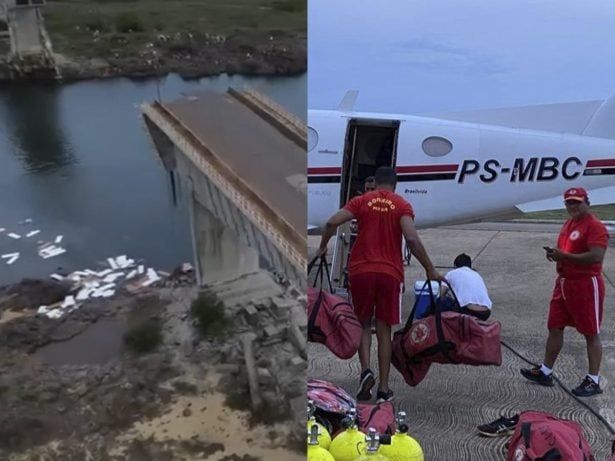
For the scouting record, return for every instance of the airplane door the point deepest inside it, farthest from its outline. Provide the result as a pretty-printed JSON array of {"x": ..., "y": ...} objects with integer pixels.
[{"x": 369, "y": 144}]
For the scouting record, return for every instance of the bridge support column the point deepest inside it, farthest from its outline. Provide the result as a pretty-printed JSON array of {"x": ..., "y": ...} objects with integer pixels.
[{"x": 220, "y": 255}]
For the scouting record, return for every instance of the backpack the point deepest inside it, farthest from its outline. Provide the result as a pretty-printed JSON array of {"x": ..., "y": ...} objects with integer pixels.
[
  {"x": 331, "y": 319},
  {"x": 332, "y": 404},
  {"x": 543, "y": 437}
]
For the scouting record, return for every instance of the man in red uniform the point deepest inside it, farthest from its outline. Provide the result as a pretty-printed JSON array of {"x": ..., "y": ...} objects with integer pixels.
[
  {"x": 578, "y": 295},
  {"x": 375, "y": 270}
]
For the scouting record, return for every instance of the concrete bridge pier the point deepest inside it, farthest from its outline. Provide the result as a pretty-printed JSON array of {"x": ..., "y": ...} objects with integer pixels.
[{"x": 219, "y": 254}]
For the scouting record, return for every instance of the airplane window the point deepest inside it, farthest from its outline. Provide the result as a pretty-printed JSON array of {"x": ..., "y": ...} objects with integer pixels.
[
  {"x": 312, "y": 138},
  {"x": 435, "y": 146}
]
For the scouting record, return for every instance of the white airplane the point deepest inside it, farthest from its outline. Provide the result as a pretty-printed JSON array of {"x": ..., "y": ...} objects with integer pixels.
[{"x": 463, "y": 166}]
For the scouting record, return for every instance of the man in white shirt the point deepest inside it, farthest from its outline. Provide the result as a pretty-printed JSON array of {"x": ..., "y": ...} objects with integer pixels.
[{"x": 469, "y": 287}]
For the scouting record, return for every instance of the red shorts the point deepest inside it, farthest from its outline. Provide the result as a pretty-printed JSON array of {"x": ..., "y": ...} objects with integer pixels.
[
  {"x": 577, "y": 303},
  {"x": 376, "y": 290}
]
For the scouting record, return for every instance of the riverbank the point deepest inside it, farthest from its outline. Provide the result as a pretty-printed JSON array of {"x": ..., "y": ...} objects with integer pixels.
[
  {"x": 146, "y": 38},
  {"x": 149, "y": 374}
]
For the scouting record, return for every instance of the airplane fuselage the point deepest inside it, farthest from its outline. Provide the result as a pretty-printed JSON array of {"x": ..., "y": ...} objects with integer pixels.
[{"x": 449, "y": 171}]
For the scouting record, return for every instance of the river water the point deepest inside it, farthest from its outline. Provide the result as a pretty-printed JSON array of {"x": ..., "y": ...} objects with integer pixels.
[{"x": 77, "y": 161}]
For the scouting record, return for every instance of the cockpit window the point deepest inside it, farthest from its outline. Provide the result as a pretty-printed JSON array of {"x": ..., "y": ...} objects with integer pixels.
[
  {"x": 435, "y": 146},
  {"x": 312, "y": 138}
]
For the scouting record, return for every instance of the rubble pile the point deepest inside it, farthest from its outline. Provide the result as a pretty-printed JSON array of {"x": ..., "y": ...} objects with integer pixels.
[{"x": 267, "y": 359}]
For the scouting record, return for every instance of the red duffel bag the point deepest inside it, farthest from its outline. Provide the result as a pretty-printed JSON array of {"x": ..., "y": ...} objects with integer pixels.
[
  {"x": 444, "y": 337},
  {"x": 380, "y": 416},
  {"x": 331, "y": 319},
  {"x": 542, "y": 436}
]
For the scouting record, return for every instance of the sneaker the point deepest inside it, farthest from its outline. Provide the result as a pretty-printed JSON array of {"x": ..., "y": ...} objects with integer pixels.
[
  {"x": 587, "y": 388},
  {"x": 535, "y": 374},
  {"x": 382, "y": 396},
  {"x": 366, "y": 382},
  {"x": 499, "y": 427}
]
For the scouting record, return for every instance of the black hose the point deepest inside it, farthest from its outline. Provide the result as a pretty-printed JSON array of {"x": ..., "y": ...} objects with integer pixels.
[{"x": 560, "y": 384}]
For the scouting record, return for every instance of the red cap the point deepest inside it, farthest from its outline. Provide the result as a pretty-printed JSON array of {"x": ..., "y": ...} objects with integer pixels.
[{"x": 576, "y": 193}]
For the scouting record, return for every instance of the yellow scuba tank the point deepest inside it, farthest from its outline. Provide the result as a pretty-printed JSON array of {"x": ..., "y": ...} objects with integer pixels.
[
  {"x": 345, "y": 446},
  {"x": 402, "y": 447},
  {"x": 324, "y": 438},
  {"x": 370, "y": 453},
  {"x": 314, "y": 451}
]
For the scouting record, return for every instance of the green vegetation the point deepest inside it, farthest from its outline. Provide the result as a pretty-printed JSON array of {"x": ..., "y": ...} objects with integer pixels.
[
  {"x": 210, "y": 315},
  {"x": 604, "y": 212},
  {"x": 144, "y": 337},
  {"x": 89, "y": 28}
]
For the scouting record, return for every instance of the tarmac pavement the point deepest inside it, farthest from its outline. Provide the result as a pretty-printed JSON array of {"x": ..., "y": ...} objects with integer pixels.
[{"x": 444, "y": 409}]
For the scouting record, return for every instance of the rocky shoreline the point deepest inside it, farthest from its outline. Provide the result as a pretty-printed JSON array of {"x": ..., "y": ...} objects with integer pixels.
[{"x": 70, "y": 389}]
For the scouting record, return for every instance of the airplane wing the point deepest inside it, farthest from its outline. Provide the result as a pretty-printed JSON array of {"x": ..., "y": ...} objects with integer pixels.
[
  {"x": 571, "y": 117},
  {"x": 601, "y": 196}
]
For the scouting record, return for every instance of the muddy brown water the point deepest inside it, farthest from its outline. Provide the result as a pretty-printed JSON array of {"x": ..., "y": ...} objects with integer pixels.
[{"x": 100, "y": 342}]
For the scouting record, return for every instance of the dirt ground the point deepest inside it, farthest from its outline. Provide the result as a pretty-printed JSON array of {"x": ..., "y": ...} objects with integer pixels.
[{"x": 71, "y": 390}]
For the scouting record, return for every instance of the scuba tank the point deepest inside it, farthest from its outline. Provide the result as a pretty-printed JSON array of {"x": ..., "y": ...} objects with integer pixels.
[
  {"x": 345, "y": 447},
  {"x": 371, "y": 452},
  {"x": 402, "y": 447},
  {"x": 324, "y": 438},
  {"x": 315, "y": 452}
]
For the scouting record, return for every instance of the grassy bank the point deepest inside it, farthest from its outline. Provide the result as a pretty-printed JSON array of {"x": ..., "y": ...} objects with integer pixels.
[
  {"x": 604, "y": 212},
  {"x": 99, "y": 28},
  {"x": 200, "y": 37}
]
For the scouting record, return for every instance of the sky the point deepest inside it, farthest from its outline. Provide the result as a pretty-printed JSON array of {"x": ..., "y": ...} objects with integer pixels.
[{"x": 422, "y": 56}]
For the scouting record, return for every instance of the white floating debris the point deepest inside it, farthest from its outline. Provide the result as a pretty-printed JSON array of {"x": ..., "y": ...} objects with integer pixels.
[
  {"x": 51, "y": 251},
  {"x": 11, "y": 257},
  {"x": 57, "y": 277},
  {"x": 54, "y": 314},
  {"x": 90, "y": 272},
  {"x": 83, "y": 294},
  {"x": 112, "y": 263},
  {"x": 112, "y": 277},
  {"x": 14, "y": 236},
  {"x": 42, "y": 310},
  {"x": 33, "y": 233},
  {"x": 163, "y": 274},
  {"x": 68, "y": 301},
  {"x": 2, "y": 229},
  {"x": 122, "y": 261},
  {"x": 187, "y": 267},
  {"x": 107, "y": 287},
  {"x": 141, "y": 269},
  {"x": 152, "y": 277},
  {"x": 103, "y": 273},
  {"x": 131, "y": 274},
  {"x": 28, "y": 220},
  {"x": 58, "y": 239}
]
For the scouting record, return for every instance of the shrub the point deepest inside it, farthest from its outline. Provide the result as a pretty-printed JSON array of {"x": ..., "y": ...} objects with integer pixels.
[
  {"x": 144, "y": 337},
  {"x": 128, "y": 22},
  {"x": 210, "y": 315}
]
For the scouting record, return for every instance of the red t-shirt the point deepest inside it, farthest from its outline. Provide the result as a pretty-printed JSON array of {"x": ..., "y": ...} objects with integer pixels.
[
  {"x": 576, "y": 237},
  {"x": 378, "y": 244}
]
